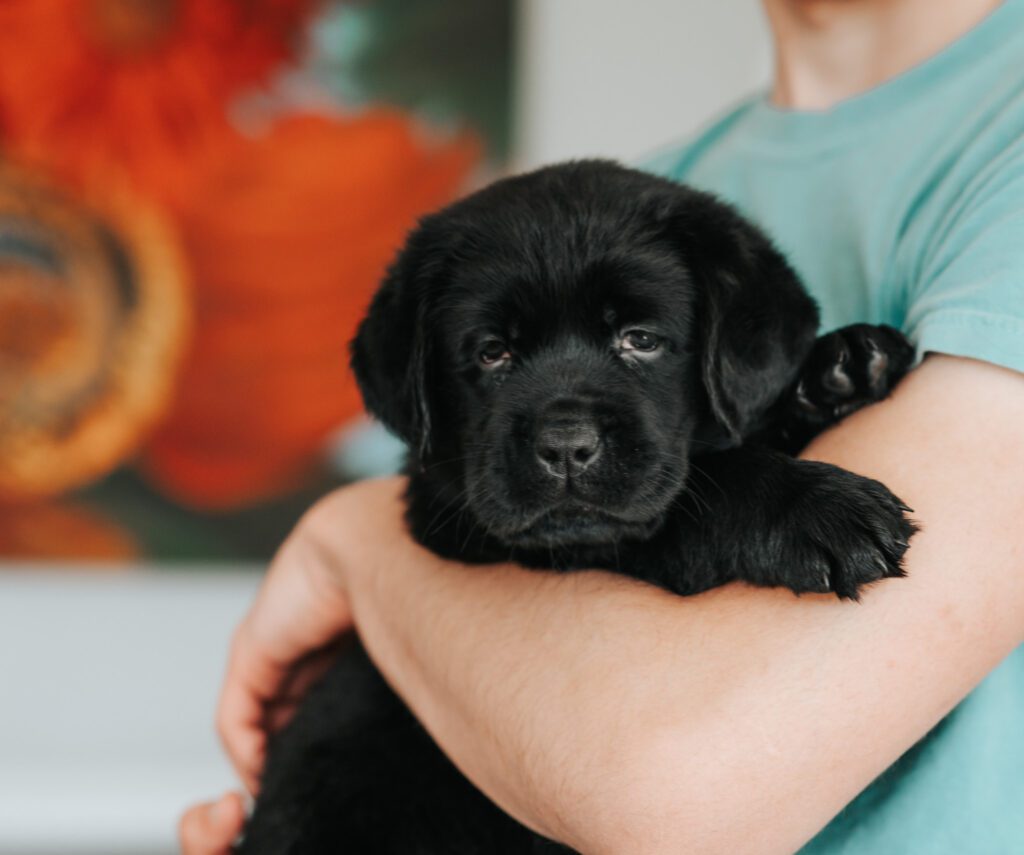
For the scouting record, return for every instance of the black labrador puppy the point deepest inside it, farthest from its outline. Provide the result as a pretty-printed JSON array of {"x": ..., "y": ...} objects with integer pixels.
[{"x": 592, "y": 367}]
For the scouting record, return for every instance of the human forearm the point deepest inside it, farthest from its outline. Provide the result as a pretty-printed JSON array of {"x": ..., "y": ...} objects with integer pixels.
[
  {"x": 532, "y": 682},
  {"x": 606, "y": 713},
  {"x": 618, "y": 718}
]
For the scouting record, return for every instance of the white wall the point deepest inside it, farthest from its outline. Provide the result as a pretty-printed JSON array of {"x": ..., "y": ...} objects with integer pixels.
[
  {"x": 108, "y": 686},
  {"x": 620, "y": 79}
]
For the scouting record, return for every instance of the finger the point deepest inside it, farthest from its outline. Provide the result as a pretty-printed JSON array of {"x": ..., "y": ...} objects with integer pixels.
[
  {"x": 297, "y": 611},
  {"x": 309, "y": 670},
  {"x": 249, "y": 687},
  {"x": 251, "y": 719},
  {"x": 264, "y": 653},
  {"x": 240, "y": 723},
  {"x": 279, "y": 715},
  {"x": 210, "y": 828},
  {"x": 231, "y": 813}
]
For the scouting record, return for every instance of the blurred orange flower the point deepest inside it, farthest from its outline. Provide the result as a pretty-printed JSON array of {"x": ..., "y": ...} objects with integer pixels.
[
  {"x": 93, "y": 316},
  {"x": 287, "y": 242},
  {"x": 140, "y": 83}
]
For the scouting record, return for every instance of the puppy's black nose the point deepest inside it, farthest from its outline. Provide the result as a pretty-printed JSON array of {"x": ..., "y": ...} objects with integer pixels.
[{"x": 566, "y": 449}]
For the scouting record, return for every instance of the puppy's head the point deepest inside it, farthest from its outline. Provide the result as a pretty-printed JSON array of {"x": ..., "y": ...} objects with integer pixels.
[{"x": 560, "y": 343}]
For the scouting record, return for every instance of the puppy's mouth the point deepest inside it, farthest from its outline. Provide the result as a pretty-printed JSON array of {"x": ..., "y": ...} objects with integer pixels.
[{"x": 576, "y": 523}]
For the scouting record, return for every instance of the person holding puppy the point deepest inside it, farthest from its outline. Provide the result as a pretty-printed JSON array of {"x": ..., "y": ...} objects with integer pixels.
[{"x": 888, "y": 163}]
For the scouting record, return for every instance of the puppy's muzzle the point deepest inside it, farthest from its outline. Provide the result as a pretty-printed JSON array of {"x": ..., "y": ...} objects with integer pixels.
[{"x": 566, "y": 448}]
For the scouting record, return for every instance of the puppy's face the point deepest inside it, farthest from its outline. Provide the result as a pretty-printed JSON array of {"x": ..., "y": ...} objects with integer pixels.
[
  {"x": 576, "y": 386},
  {"x": 555, "y": 348}
]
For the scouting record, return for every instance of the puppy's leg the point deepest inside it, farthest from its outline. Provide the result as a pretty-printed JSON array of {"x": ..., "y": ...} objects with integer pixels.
[
  {"x": 763, "y": 517},
  {"x": 354, "y": 772},
  {"x": 846, "y": 370}
]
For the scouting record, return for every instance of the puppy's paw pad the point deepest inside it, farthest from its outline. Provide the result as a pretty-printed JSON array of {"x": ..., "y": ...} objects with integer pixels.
[{"x": 852, "y": 367}]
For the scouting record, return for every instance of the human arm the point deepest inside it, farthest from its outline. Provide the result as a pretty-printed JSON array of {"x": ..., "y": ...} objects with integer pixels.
[{"x": 616, "y": 717}]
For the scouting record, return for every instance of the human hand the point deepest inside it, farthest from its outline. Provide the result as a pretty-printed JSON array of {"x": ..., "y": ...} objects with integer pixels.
[
  {"x": 210, "y": 828},
  {"x": 290, "y": 635}
]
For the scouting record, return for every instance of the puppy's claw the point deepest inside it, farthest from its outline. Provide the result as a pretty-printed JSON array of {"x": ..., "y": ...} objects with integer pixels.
[{"x": 844, "y": 560}]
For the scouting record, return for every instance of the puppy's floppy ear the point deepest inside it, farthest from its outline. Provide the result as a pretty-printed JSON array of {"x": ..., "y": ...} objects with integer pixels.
[
  {"x": 391, "y": 350},
  {"x": 757, "y": 322}
]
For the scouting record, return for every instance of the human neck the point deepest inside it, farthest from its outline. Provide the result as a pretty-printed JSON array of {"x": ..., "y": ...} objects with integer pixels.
[{"x": 830, "y": 50}]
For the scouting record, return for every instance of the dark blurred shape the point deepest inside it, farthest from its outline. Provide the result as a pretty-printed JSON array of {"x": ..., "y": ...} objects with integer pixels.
[{"x": 92, "y": 322}]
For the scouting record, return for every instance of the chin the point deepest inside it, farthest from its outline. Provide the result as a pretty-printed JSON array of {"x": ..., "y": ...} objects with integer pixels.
[{"x": 559, "y": 529}]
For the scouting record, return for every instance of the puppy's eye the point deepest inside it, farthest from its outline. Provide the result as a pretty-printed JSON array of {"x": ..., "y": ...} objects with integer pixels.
[
  {"x": 493, "y": 352},
  {"x": 640, "y": 340}
]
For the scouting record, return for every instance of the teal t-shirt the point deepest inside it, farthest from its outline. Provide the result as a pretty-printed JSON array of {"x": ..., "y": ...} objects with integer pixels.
[{"x": 905, "y": 206}]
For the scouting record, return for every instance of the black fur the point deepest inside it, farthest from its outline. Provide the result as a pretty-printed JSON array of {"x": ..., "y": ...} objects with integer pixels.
[{"x": 592, "y": 367}]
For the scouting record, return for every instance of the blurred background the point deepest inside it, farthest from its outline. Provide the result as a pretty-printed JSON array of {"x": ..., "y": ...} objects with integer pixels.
[{"x": 197, "y": 199}]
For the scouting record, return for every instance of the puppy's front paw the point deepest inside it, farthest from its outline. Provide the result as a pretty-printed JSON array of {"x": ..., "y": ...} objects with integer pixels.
[
  {"x": 850, "y": 368},
  {"x": 845, "y": 532}
]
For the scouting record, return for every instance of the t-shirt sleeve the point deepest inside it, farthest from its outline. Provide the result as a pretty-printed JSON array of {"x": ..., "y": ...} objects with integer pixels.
[{"x": 969, "y": 297}]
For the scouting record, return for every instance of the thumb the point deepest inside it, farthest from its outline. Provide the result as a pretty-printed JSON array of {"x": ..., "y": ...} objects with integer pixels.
[{"x": 210, "y": 828}]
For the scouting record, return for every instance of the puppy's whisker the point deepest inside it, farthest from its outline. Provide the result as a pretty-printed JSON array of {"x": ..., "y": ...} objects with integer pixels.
[
  {"x": 459, "y": 495},
  {"x": 694, "y": 491},
  {"x": 459, "y": 501},
  {"x": 439, "y": 497},
  {"x": 469, "y": 535},
  {"x": 695, "y": 441},
  {"x": 678, "y": 505},
  {"x": 694, "y": 468},
  {"x": 461, "y": 458}
]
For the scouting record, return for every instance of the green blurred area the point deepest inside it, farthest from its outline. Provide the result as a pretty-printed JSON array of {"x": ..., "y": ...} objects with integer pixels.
[
  {"x": 448, "y": 60},
  {"x": 165, "y": 531}
]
